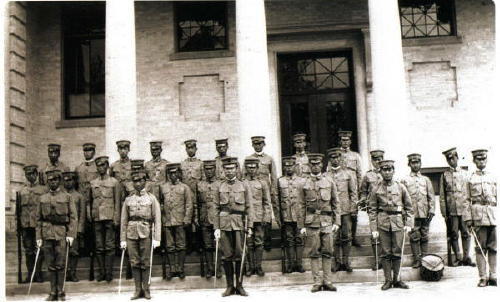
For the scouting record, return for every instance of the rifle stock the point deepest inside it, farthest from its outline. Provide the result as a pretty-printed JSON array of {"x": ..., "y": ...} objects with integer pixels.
[{"x": 19, "y": 247}]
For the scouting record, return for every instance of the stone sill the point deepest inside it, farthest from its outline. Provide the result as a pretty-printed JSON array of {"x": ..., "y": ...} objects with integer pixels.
[
  {"x": 432, "y": 41},
  {"x": 193, "y": 55},
  {"x": 77, "y": 123}
]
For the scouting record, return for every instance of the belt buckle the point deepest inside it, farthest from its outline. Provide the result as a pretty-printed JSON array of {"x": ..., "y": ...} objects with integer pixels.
[
  {"x": 317, "y": 212},
  {"x": 399, "y": 209}
]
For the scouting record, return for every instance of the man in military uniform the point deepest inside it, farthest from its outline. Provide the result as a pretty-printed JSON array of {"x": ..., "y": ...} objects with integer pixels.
[
  {"x": 453, "y": 199},
  {"x": 121, "y": 168},
  {"x": 56, "y": 227},
  {"x": 192, "y": 173},
  {"x": 422, "y": 198},
  {"x": 479, "y": 214},
  {"x": 291, "y": 192},
  {"x": 391, "y": 213},
  {"x": 369, "y": 181},
  {"x": 207, "y": 194},
  {"x": 105, "y": 200},
  {"x": 321, "y": 218},
  {"x": 221, "y": 145},
  {"x": 29, "y": 199},
  {"x": 348, "y": 194},
  {"x": 140, "y": 224},
  {"x": 233, "y": 212},
  {"x": 156, "y": 167},
  {"x": 301, "y": 160},
  {"x": 266, "y": 172},
  {"x": 262, "y": 210},
  {"x": 54, "y": 152},
  {"x": 69, "y": 181},
  {"x": 177, "y": 200}
]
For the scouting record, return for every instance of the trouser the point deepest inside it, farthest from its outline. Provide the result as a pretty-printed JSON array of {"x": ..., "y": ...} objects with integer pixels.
[
  {"x": 231, "y": 245},
  {"x": 74, "y": 255},
  {"x": 354, "y": 224},
  {"x": 176, "y": 247},
  {"x": 294, "y": 243},
  {"x": 255, "y": 245},
  {"x": 486, "y": 235},
  {"x": 267, "y": 240},
  {"x": 343, "y": 239},
  {"x": 105, "y": 244},
  {"x": 29, "y": 244},
  {"x": 139, "y": 252},
  {"x": 319, "y": 247},
  {"x": 458, "y": 225},
  {"x": 391, "y": 243},
  {"x": 55, "y": 251},
  {"x": 207, "y": 232},
  {"x": 419, "y": 238}
]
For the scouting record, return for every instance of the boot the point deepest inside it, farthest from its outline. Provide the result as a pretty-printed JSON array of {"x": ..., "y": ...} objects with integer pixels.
[
  {"x": 481, "y": 267},
  {"x": 145, "y": 285},
  {"x": 53, "y": 286},
  {"x": 249, "y": 263},
  {"x": 229, "y": 271},
  {"x": 128, "y": 273},
  {"x": 327, "y": 267},
  {"x": 109, "y": 267},
  {"x": 346, "y": 250},
  {"x": 396, "y": 267},
  {"x": 298, "y": 254},
  {"x": 375, "y": 265},
  {"x": 30, "y": 262},
  {"x": 69, "y": 273},
  {"x": 467, "y": 259},
  {"x": 38, "y": 270},
  {"x": 209, "y": 267},
  {"x": 61, "y": 295},
  {"x": 219, "y": 269},
  {"x": 492, "y": 261},
  {"x": 290, "y": 260},
  {"x": 415, "y": 249},
  {"x": 337, "y": 263},
  {"x": 239, "y": 283},
  {"x": 315, "y": 265},
  {"x": 100, "y": 264},
  {"x": 180, "y": 261},
  {"x": 386, "y": 265},
  {"x": 454, "y": 246},
  {"x": 354, "y": 227},
  {"x": 136, "y": 273},
  {"x": 171, "y": 266},
  {"x": 74, "y": 278},
  {"x": 258, "y": 261}
]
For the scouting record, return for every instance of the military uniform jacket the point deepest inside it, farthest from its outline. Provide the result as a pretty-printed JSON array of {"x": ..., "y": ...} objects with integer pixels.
[
  {"x": 421, "y": 194},
  {"x": 59, "y": 165},
  {"x": 219, "y": 169},
  {"x": 302, "y": 167},
  {"x": 208, "y": 197},
  {"x": 389, "y": 207},
  {"x": 482, "y": 199},
  {"x": 192, "y": 172},
  {"x": 260, "y": 200},
  {"x": 177, "y": 202},
  {"x": 56, "y": 216},
  {"x": 233, "y": 206},
  {"x": 30, "y": 197},
  {"x": 139, "y": 212},
  {"x": 267, "y": 170},
  {"x": 453, "y": 191},
  {"x": 81, "y": 209},
  {"x": 371, "y": 178},
  {"x": 346, "y": 189},
  {"x": 320, "y": 202},
  {"x": 128, "y": 189},
  {"x": 105, "y": 198},
  {"x": 351, "y": 161},
  {"x": 156, "y": 170},
  {"x": 86, "y": 171},
  {"x": 121, "y": 170},
  {"x": 292, "y": 197}
]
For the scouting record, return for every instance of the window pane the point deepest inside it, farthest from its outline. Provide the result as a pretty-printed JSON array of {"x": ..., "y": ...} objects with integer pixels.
[{"x": 426, "y": 18}]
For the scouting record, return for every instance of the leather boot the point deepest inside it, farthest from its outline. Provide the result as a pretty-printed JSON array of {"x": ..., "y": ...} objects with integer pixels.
[
  {"x": 53, "y": 286},
  {"x": 354, "y": 228},
  {"x": 466, "y": 247},
  {"x": 492, "y": 261},
  {"x": 136, "y": 273},
  {"x": 346, "y": 251},
  {"x": 100, "y": 264},
  {"x": 481, "y": 267},
  {"x": 218, "y": 274},
  {"x": 128, "y": 273},
  {"x": 298, "y": 255},
  {"x": 171, "y": 266},
  {"x": 109, "y": 266},
  {"x": 61, "y": 295},
  {"x": 424, "y": 247},
  {"x": 327, "y": 280},
  {"x": 456, "y": 250},
  {"x": 229, "y": 271},
  {"x": 74, "y": 278},
  {"x": 38, "y": 270},
  {"x": 415, "y": 248},
  {"x": 239, "y": 281},
  {"x": 69, "y": 273},
  {"x": 337, "y": 256},
  {"x": 145, "y": 280},
  {"x": 259, "y": 251},
  {"x": 396, "y": 267},
  {"x": 315, "y": 267},
  {"x": 249, "y": 263},
  {"x": 30, "y": 262},
  {"x": 209, "y": 267},
  {"x": 180, "y": 261},
  {"x": 375, "y": 265},
  {"x": 386, "y": 265},
  {"x": 290, "y": 260}
]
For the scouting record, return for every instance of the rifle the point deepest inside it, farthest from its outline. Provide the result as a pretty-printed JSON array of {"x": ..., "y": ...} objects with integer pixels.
[
  {"x": 19, "y": 247},
  {"x": 282, "y": 232},
  {"x": 199, "y": 234},
  {"x": 447, "y": 222},
  {"x": 163, "y": 257},
  {"x": 92, "y": 250}
]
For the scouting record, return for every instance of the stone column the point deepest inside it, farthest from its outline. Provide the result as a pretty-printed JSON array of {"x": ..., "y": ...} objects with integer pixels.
[
  {"x": 253, "y": 78},
  {"x": 389, "y": 83},
  {"x": 121, "y": 99}
]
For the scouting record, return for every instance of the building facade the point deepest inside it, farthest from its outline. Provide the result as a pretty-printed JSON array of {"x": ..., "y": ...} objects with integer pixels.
[{"x": 405, "y": 76}]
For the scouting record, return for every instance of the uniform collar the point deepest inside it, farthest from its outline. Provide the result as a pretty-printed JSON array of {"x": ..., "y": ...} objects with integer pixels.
[
  {"x": 88, "y": 162},
  {"x": 125, "y": 160},
  {"x": 55, "y": 191},
  {"x": 345, "y": 150},
  {"x": 316, "y": 176},
  {"x": 388, "y": 183},
  {"x": 481, "y": 172},
  {"x": 141, "y": 193},
  {"x": 259, "y": 154},
  {"x": 302, "y": 153},
  {"x": 156, "y": 160},
  {"x": 336, "y": 169},
  {"x": 191, "y": 158},
  {"x": 415, "y": 174},
  {"x": 232, "y": 180},
  {"x": 454, "y": 169},
  {"x": 32, "y": 185}
]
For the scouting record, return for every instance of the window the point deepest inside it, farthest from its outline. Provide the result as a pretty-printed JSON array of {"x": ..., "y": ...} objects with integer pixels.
[
  {"x": 201, "y": 26},
  {"x": 84, "y": 83},
  {"x": 427, "y": 18}
]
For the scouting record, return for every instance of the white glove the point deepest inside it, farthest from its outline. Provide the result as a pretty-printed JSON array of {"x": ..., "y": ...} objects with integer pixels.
[
  {"x": 39, "y": 243},
  {"x": 249, "y": 232},
  {"x": 217, "y": 234},
  {"x": 123, "y": 244},
  {"x": 156, "y": 243},
  {"x": 375, "y": 234},
  {"x": 407, "y": 229},
  {"x": 335, "y": 228},
  {"x": 302, "y": 231},
  {"x": 70, "y": 240}
]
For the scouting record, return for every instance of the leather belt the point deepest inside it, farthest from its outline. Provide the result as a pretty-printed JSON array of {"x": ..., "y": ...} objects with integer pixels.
[
  {"x": 319, "y": 212},
  {"x": 137, "y": 218}
]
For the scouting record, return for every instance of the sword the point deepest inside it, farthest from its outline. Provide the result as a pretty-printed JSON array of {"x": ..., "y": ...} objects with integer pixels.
[
  {"x": 151, "y": 255},
  {"x": 66, "y": 266},
  {"x": 34, "y": 268},
  {"x": 244, "y": 248},
  {"x": 478, "y": 244},
  {"x": 216, "y": 254},
  {"x": 376, "y": 258},
  {"x": 121, "y": 268},
  {"x": 402, "y": 252}
]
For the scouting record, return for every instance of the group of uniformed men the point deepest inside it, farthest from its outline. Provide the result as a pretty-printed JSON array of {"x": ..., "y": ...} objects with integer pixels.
[{"x": 143, "y": 203}]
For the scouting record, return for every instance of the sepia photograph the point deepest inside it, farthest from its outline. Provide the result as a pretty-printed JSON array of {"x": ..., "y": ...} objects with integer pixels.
[{"x": 259, "y": 149}]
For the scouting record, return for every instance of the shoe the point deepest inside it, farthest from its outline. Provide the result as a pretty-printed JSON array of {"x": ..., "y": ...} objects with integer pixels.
[
  {"x": 482, "y": 283},
  {"x": 467, "y": 261},
  {"x": 348, "y": 268},
  {"x": 230, "y": 290},
  {"x": 181, "y": 275},
  {"x": 455, "y": 263},
  {"x": 329, "y": 287},
  {"x": 259, "y": 271},
  {"x": 387, "y": 285},
  {"x": 492, "y": 282},
  {"x": 51, "y": 297},
  {"x": 61, "y": 296},
  {"x": 316, "y": 288},
  {"x": 240, "y": 290},
  {"x": 299, "y": 268},
  {"x": 335, "y": 266},
  {"x": 400, "y": 284}
]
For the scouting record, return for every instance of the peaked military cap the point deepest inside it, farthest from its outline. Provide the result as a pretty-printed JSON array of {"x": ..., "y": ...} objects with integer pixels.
[
  {"x": 450, "y": 152},
  {"x": 155, "y": 144},
  {"x": 221, "y": 141},
  {"x": 190, "y": 143},
  {"x": 252, "y": 162},
  {"x": 88, "y": 146},
  {"x": 299, "y": 137},
  {"x": 229, "y": 161},
  {"x": 209, "y": 163},
  {"x": 173, "y": 167},
  {"x": 334, "y": 152},
  {"x": 387, "y": 163},
  {"x": 138, "y": 175},
  {"x": 315, "y": 158},
  {"x": 345, "y": 133},
  {"x": 258, "y": 139},
  {"x": 479, "y": 153},
  {"x": 136, "y": 164},
  {"x": 54, "y": 147},
  {"x": 30, "y": 168},
  {"x": 123, "y": 143},
  {"x": 414, "y": 157},
  {"x": 377, "y": 153},
  {"x": 101, "y": 160},
  {"x": 288, "y": 161},
  {"x": 69, "y": 175},
  {"x": 51, "y": 174}
]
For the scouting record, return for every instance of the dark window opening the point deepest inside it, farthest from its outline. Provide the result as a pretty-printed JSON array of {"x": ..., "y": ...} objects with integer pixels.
[
  {"x": 427, "y": 18},
  {"x": 201, "y": 26},
  {"x": 84, "y": 72}
]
